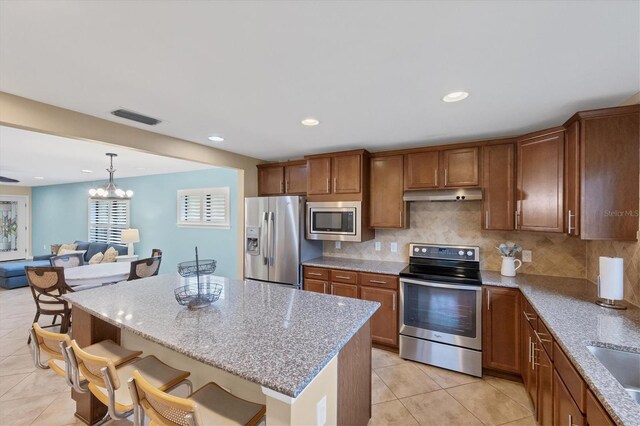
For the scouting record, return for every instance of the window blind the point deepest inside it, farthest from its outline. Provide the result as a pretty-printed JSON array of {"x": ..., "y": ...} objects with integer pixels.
[
  {"x": 107, "y": 219},
  {"x": 204, "y": 207}
]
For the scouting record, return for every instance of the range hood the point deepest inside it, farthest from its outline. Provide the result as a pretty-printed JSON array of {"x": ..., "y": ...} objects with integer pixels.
[{"x": 462, "y": 194}]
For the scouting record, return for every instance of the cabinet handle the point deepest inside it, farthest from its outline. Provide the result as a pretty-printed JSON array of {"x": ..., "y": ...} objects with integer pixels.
[
  {"x": 394, "y": 301},
  {"x": 571, "y": 421},
  {"x": 486, "y": 218},
  {"x": 377, "y": 281},
  {"x": 517, "y": 213},
  {"x": 342, "y": 277},
  {"x": 335, "y": 184},
  {"x": 435, "y": 175},
  {"x": 488, "y": 300},
  {"x": 446, "y": 176},
  {"x": 281, "y": 186},
  {"x": 540, "y": 338},
  {"x": 328, "y": 188},
  {"x": 317, "y": 274},
  {"x": 400, "y": 217},
  {"x": 286, "y": 185},
  {"x": 529, "y": 349},
  {"x": 533, "y": 354},
  {"x": 569, "y": 227}
]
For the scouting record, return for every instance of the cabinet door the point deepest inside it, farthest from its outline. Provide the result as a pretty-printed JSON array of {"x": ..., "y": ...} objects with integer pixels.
[
  {"x": 498, "y": 180},
  {"x": 295, "y": 180},
  {"x": 271, "y": 180},
  {"x": 565, "y": 410},
  {"x": 388, "y": 210},
  {"x": 346, "y": 172},
  {"x": 319, "y": 175},
  {"x": 501, "y": 329},
  {"x": 460, "y": 167},
  {"x": 316, "y": 286},
  {"x": 596, "y": 414},
  {"x": 421, "y": 170},
  {"x": 540, "y": 183},
  {"x": 531, "y": 384},
  {"x": 384, "y": 323},
  {"x": 545, "y": 388},
  {"x": 345, "y": 290},
  {"x": 572, "y": 179}
]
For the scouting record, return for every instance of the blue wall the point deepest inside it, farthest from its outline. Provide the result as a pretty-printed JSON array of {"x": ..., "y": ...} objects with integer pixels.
[{"x": 59, "y": 215}]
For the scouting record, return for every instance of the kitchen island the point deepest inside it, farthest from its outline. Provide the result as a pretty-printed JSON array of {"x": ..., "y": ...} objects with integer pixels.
[{"x": 306, "y": 356}]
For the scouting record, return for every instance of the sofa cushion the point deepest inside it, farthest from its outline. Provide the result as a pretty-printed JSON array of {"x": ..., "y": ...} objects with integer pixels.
[
  {"x": 16, "y": 269},
  {"x": 95, "y": 248},
  {"x": 82, "y": 245}
]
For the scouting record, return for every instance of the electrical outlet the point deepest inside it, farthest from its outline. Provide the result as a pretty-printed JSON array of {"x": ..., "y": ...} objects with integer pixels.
[
  {"x": 526, "y": 256},
  {"x": 338, "y": 244},
  {"x": 394, "y": 247},
  {"x": 377, "y": 245},
  {"x": 321, "y": 411}
]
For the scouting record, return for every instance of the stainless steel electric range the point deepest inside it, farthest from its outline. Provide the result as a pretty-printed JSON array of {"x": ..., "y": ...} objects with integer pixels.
[{"x": 441, "y": 307}]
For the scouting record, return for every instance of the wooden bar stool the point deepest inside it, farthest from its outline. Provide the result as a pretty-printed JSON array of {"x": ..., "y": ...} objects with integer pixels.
[
  {"x": 209, "y": 405},
  {"x": 106, "y": 379},
  {"x": 54, "y": 344}
]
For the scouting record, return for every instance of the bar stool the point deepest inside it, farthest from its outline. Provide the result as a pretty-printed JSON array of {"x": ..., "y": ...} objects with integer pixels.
[
  {"x": 54, "y": 344},
  {"x": 105, "y": 379},
  {"x": 209, "y": 405}
]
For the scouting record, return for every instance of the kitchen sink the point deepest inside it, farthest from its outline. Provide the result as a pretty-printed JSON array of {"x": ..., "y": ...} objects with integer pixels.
[{"x": 623, "y": 365}]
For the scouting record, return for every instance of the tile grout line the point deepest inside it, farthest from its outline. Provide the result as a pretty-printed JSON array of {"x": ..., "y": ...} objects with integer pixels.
[
  {"x": 504, "y": 393},
  {"x": 45, "y": 409}
]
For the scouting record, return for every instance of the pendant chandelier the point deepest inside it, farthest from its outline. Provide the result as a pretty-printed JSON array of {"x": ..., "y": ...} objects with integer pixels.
[{"x": 110, "y": 190}]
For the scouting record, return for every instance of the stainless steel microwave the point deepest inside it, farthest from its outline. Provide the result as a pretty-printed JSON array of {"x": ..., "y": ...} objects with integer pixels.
[{"x": 334, "y": 220}]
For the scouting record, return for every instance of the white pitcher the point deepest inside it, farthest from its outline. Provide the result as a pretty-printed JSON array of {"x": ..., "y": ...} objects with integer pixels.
[{"x": 509, "y": 267}]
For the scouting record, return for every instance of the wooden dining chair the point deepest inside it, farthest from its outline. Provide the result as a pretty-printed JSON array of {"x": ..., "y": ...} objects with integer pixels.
[
  {"x": 47, "y": 286},
  {"x": 156, "y": 252},
  {"x": 144, "y": 268},
  {"x": 70, "y": 260},
  {"x": 209, "y": 405}
]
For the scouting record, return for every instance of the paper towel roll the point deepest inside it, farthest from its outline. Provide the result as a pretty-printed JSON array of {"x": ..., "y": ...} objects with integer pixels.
[{"x": 611, "y": 278}]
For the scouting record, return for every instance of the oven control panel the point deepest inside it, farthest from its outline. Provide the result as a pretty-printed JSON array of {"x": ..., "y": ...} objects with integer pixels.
[{"x": 445, "y": 252}]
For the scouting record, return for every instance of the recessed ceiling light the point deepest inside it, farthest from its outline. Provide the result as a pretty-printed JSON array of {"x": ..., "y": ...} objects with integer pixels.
[
  {"x": 455, "y": 96},
  {"x": 216, "y": 138},
  {"x": 38, "y": 177},
  {"x": 86, "y": 171},
  {"x": 310, "y": 121}
]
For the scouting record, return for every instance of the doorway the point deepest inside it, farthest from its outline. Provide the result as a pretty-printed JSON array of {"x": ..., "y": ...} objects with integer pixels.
[{"x": 14, "y": 227}]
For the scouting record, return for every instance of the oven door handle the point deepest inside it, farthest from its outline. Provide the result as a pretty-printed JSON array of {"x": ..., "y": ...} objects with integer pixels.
[{"x": 442, "y": 285}]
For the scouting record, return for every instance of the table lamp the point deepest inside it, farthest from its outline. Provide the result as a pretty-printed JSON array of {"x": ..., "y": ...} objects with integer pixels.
[{"x": 130, "y": 236}]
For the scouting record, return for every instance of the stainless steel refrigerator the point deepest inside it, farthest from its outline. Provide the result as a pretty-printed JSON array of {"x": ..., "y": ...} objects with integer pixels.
[{"x": 275, "y": 243}]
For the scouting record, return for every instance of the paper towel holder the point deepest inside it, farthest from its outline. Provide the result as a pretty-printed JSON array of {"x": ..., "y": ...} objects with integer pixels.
[{"x": 608, "y": 303}]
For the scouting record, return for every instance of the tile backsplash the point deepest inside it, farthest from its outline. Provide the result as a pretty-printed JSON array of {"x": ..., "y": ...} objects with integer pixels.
[{"x": 460, "y": 223}]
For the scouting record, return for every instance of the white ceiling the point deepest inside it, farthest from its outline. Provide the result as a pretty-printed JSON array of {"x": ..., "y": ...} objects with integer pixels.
[
  {"x": 373, "y": 72},
  {"x": 25, "y": 155}
]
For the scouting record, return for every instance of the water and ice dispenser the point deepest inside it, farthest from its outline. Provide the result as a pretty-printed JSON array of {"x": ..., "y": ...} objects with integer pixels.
[{"x": 253, "y": 240}]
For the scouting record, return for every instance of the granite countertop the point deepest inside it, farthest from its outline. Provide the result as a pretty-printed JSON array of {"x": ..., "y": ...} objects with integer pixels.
[
  {"x": 566, "y": 305},
  {"x": 373, "y": 266},
  {"x": 269, "y": 334}
]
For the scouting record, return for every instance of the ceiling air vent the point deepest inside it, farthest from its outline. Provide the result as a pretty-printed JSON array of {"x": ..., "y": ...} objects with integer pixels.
[
  {"x": 130, "y": 115},
  {"x": 4, "y": 179}
]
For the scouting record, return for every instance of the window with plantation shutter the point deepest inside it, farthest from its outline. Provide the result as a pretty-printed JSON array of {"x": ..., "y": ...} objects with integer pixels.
[
  {"x": 107, "y": 219},
  {"x": 204, "y": 207}
]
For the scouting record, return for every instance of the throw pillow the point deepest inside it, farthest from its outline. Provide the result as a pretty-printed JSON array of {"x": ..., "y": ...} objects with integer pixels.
[
  {"x": 97, "y": 258},
  {"x": 110, "y": 255},
  {"x": 66, "y": 247}
]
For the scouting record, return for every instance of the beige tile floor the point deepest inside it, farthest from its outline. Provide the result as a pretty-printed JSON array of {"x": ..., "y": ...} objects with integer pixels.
[{"x": 404, "y": 392}]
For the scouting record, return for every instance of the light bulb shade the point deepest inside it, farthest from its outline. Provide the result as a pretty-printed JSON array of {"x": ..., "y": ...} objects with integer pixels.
[
  {"x": 93, "y": 192},
  {"x": 130, "y": 236},
  {"x": 110, "y": 190},
  {"x": 129, "y": 193}
]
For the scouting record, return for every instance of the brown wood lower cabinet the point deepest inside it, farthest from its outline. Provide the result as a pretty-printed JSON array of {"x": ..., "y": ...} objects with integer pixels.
[
  {"x": 596, "y": 415},
  {"x": 345, "y": 290},
  {"x": 565, "y": 410},
  {"x": 501, "y": 329},
  {"x": 545, "y": 388},
  {"x": 384, "y": 323},
  {"x": 316, "y": 286},
  {"x": 530, "y": 378}
]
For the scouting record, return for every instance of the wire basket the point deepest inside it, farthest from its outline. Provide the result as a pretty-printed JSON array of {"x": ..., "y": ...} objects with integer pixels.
[
  {"x": 197, "y": 267},
  {"x": 198, "y": 296}
]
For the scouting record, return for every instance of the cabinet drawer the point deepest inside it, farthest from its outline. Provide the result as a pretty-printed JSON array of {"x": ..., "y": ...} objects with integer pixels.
[
  {"x": 545, "y": 338},
  {"x": 349, "y": 277},
  {"x": 529, "y": 314},
  {"x": 316, "y": 273},
  {"x": 570, "y": 377},
  {"x": 377, "y": 280}
]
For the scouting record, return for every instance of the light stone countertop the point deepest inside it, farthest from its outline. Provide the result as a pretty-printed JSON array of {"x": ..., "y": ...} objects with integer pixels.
[
  {"x": 566, "y": 305},
  {"x": 269, "y": 334},
  {"x": 372, "y": 266}
]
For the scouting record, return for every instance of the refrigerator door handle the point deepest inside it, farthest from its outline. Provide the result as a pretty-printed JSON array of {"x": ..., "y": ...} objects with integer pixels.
[
  {"x": 272, "y": 237},
  {"x": 264, "y": 241}
]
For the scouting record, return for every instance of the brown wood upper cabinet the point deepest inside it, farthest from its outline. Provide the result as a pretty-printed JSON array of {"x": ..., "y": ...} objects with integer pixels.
[
  {"x": 282, "y": 178},
  {"x": 498, "y": 201},
  {"x": 449, "y": 168},
  {"x": 540, "y": 164},
  {"x": 338, "y": 176},
  {"x": 388, "y": 210},
  {"x": 602, "y": 165},
  {"x": 501, "y": 329}
]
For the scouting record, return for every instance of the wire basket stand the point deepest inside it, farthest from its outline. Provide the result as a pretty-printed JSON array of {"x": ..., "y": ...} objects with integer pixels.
[{"x": 202, "y": 294}]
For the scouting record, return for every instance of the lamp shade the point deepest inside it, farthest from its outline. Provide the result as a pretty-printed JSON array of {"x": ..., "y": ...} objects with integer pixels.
[{"x": 130, "y": 236}]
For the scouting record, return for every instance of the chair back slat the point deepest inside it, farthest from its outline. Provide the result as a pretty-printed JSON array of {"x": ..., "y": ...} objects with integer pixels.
[
  {"x": 163, "y": 408},
  {"x": 50, "y": 342},
  {"x": 144, "y": 268},
  {"x": 90, "y": 367}
]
